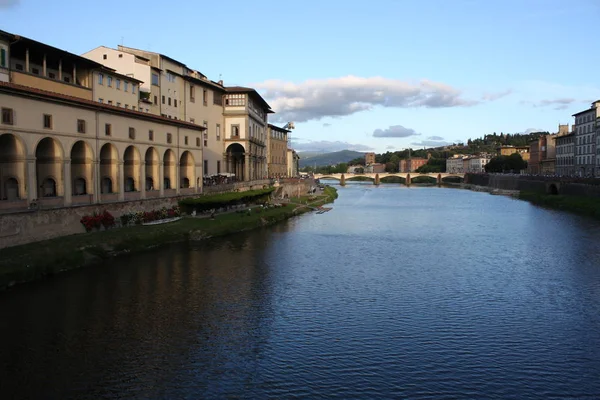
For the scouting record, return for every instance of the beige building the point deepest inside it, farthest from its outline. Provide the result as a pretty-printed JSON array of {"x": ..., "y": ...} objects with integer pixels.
[
  {"x": 585, "y": 140},
  {"x": 61, "y": 146},
  {"x": 277, "y": 151},
  {"x": 245, "y": 113},
  {"x": 293, "y": 160},
  {"x": 369, "y": 158},
  {"x": 171, "y": 89}
]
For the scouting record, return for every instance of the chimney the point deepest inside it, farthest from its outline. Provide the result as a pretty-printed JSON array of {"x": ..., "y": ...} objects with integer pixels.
[{"x": 220, "y": 82}]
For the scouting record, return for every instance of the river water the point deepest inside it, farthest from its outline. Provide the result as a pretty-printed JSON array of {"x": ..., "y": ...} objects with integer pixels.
[{"x": 396, "y": 293}]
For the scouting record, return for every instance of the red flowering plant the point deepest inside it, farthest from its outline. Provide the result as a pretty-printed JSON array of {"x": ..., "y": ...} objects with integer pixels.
[{"x": 95, "y": 221}]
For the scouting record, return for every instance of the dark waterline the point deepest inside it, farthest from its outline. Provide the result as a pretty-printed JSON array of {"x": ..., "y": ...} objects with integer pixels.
[{"x": 395, "y": 293}]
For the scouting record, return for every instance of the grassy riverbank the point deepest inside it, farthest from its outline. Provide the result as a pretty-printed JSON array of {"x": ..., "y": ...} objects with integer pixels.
[
  {"x": 36, "y": 260},
  {"x": 588, "y": 206}
]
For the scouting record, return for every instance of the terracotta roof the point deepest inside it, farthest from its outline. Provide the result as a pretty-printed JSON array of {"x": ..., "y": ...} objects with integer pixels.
[{"x": 47, "y": 95}]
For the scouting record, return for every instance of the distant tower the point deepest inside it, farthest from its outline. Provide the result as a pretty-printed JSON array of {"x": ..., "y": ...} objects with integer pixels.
[{"x": 369, "y": 158}]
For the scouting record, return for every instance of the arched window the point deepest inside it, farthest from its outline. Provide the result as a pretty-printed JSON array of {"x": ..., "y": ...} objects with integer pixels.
[
  {"x": 149, "y": 184},
  {"x": 49, "y": 188},
  {"x": 167, "y": 183},
  {"x": 129, "y": 184},
  {"x": 79, "y": 187},
  {"x": 11, "y": 189},
  {"x": 185, "y": 183},
  {"x": 106, "y": 186}
]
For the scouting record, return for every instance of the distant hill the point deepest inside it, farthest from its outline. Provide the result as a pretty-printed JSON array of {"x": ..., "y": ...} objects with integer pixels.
[{"x": 323, "y": 160}]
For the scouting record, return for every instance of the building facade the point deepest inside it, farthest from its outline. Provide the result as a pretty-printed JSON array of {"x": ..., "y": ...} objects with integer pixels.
[
  {"x": 585, "y": 140},
  {"x": 412, "y": 164},
  {"x": 245, "y": 113},
  {"x": 277, "y": 151},
  {"x": 369, "y": 158},
  {"x": 508, "y": 150},
  {"x": 455, "y": 165},
  {"x": 565, "y": 155},
  {"x": 476, "y": 164},
  {"x": 70, "y": 135},
  {"x": 293, "y": 160}
]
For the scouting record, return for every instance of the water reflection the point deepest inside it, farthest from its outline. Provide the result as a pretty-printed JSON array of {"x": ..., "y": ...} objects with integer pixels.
[{"x": 396, "y": 292}]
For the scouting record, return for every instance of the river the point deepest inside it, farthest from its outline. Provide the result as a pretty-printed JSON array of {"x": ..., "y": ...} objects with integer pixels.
[{"x": 398, "y": 292}]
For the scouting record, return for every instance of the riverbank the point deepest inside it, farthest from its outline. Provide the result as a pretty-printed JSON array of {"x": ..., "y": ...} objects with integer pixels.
[
  {"x": 34, "y": 261},
  {"x": 586, "y": 206},
  {"x": 490, "y": 190}
]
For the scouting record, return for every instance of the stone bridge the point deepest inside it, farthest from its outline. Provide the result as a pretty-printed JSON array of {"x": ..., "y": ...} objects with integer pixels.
[{"x": 376, "y": 177}]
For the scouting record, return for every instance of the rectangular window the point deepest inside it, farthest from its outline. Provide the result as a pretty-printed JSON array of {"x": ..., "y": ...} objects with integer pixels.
[
  {"x": 218, "y": 131},
  {"x": 197, "y": 142},
  {"x": 51, "y": 75},
  {"x": 151, "y": 135},
  {"x": 169, "y": 138},
  {"x": 80, "y": 126},
  {"x": 19, "y": 67},
  {"x": 185, "y": 140},
  {"x": 107, "y": 129},
  {"x": 100, "y": 79},
  {"x": 192, "y": 94},
  {"x": 175, "y": 102},
  {"x": 163, "y": 99},
  {"x": 100, "y": 100},
  {"x": 205, "y": 167},
  {"x": 67, "y": 79},
  {"x": 3, "y": 58},
  {"x": 155, "y": 100},
  {"x": 125, "y": 86},
  {"x": 155, "y": 79},
  {"x": 109, "y": 81},
  {"x": 133, "y": 88},
  {"x": 235, "y": 131},
  {"x": 131, "y": 133},
  {"x": 169, "y": 101},
  {"x": 47, "y": 121},
  {"x": 205, "y": 96},
  {"x": 7, "y": 116},
  {"x": 218, "y": 167},
  {"x": 118, "y": 84},
  {"x": 35, "y": 71}
]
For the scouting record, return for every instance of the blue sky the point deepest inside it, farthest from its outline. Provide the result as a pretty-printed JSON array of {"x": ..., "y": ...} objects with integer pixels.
[{"x": 378, "y": 75}]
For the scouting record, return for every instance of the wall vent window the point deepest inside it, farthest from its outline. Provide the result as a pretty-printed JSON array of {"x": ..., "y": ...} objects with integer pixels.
[
  {"x": 107, "y": 129},
  {"x": 7, "y": 116},
  {"x": 151, "y": 135},
  {"x": 169, "y": 138},
  {"x": 47, "y": 121},
  {"x": 131, "y": 133},
  {"x": 80, "y": 126}
]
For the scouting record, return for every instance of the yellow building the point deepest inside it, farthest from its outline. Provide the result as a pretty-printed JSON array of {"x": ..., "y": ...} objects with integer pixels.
[
  {"x": 246, "y": 133},
  {"x": 508, "y": 150},
  {"x": 61, "y": 146},
  {"x": 277, "y": 151}
]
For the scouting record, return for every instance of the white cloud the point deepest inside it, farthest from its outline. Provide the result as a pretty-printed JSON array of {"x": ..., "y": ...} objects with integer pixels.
[
  {"x": 326, "y": 125},
  {"x": 336, "y": 97},
  {"x": 394, "y": 131},
  {"x": 435, "y": 138},
  {"x": 495, "y": 96},
  {"x": 531, "y": 130},
  {"x": 328, "y": 146},
  {"x": 390, "y": 147},
  {"x": 431, "y": 143}
]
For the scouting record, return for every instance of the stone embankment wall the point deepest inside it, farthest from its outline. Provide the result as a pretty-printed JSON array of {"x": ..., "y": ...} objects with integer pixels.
[
  {"x": 35, "y": 225},
  {"x": 539, "y": 184},
  {"x": 293, "y": 188}
]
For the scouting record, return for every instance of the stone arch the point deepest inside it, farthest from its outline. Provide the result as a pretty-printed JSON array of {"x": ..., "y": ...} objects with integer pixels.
[
  {"x": 152, "y": 169},
  {"x": 169, "y": 162},
  {"x": 236, "y": 161},
  {"x": 109, "y": 168},
  {"x": 186, "y": 169},
  {"x": 82, "y": 158},
  {"x": 12, "y": 167},
  {"x": 131, "y": 169},
  {"x": 49, "y": 168}
]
